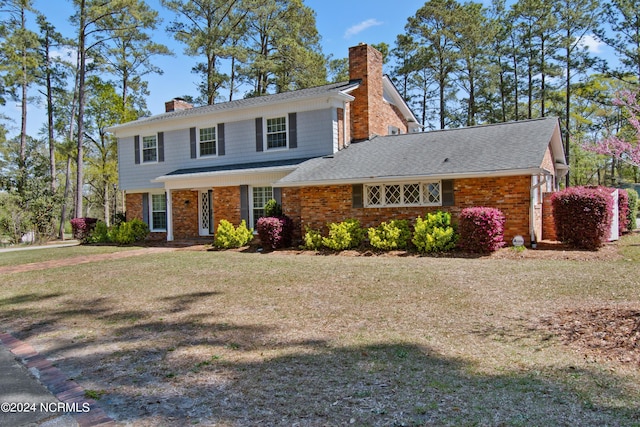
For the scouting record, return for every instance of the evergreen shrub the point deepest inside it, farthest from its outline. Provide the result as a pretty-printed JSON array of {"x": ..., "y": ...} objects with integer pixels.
[
  {"x": 391, "y": 235},
  {"x": 583, "y": 216},
  {"x": 481, "y": 229},
  {"x": 344, "y": 235},
  {"x": 434, "y": 233},
  {"x": 227, "y": 236}
]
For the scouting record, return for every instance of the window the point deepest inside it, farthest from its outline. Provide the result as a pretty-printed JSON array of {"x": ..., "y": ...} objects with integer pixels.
[
  {"x": 277, "y": 133},
  {"x": 207, "y": 141},
  {"x": 261, "y": 195},
  {"x": 410, "y": 194},
  {"x": 149, "y": 148},
  {"x": 158, "y": 212}
]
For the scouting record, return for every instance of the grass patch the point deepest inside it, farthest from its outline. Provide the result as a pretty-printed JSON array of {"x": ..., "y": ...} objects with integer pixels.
[
  {"x": 327, "y": 340},
  {"x": 50, "y": 254}
]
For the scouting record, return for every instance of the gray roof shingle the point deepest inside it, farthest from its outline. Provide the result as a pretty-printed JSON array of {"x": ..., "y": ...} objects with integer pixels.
[{"x": 478, "y": 150}]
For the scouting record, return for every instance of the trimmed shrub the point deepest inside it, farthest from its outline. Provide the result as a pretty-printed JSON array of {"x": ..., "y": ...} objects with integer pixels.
[
  {"x": 129, "y": 232},
  {"x": 481, "y": 229},
  {"x": 312, "y": 239},
  {"x": 227, "y": 236},
  {"x": 82, "y": 228},
  {"x": 633, "y": 208},
  {"x": 275, "y": 232},
  {"x": 434, "y": 233},
  {"x": 99, "y": 234},
  {"x": 583, "y": 216},
  {"x": 344, "y": 235},
  {"x": 394, "y": 234},
  {"x": 272, "y": 208},
  {"x": 623, "y": 211}
]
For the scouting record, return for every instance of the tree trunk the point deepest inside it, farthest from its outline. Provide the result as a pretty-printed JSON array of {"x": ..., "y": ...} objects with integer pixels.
[{"x": 81, "y": 83}]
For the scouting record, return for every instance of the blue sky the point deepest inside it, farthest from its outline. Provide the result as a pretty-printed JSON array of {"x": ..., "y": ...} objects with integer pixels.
[{"x": 341, "y": 24}]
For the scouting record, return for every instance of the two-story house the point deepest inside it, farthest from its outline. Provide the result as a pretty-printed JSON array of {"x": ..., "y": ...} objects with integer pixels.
[{"x": 345, "y": 150}]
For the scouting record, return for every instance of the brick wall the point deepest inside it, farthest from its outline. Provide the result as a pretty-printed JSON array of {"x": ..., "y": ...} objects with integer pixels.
[
  {"x": 316, "y": 206},
  {"x": 133, "y": 209},
  {"x": 185, "y": 214},
  {"x": 548, "y": 223},
  {"x": 226, "y": 205}
]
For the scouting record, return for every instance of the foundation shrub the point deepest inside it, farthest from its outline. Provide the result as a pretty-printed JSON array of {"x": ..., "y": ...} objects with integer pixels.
[
  {"x": 129, "y": 232},
  {"x": 275, "y": 232},
  {"x": 623, "y": 211},
  {"x": 481, "y": 229},
  {"x": 633, "y": 209},
  {"x": 394, "y": 234},
  {"x": 227, "y": 236},
  {"x": 347, "y": 234},
  {"x": 312, "y": 239},
  {"x": 434, "y": 233},
  {"x": 583, "y": 216},
  {"x": 82, "y": 228},
  {"x": 272, "y": 208}
]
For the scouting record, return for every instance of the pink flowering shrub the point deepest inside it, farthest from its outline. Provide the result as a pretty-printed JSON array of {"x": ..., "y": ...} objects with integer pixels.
[
  {"x": 481, "y": 229},
  {"x": 583, "y": 216},
  {"x": 82, "y": 228},
  {"x": 275, "y": 232}
]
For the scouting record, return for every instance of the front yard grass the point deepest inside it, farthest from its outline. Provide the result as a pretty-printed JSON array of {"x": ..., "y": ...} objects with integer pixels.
[
  {"x": 27, "y": 256},
  {"x": 231, "y": 338}
]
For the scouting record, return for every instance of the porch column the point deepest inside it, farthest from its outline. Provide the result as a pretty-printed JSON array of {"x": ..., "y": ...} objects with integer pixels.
[{"x": 169, "y": 216}]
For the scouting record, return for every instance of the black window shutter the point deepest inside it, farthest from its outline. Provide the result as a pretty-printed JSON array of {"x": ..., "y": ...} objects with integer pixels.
[
  {"x": 244, "y": 204},
  {"x": 161, "y": 146},
  {"x": 259, "y": 138},
  {"x": 293, "y": 130},
  {"x": 357, "y": 196},
  {"x": 277, "y": 195},
  {"x": 220, "y": 139},
  {"x": 447, "y": 193},
  {"x": 145, "y": 208},
  {"x": 192, "y": 141},
  {"x": 136, "y": 148}
]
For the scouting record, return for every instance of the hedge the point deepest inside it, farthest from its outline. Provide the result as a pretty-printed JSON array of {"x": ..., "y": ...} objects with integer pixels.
[{"x": 481, "y": 229}]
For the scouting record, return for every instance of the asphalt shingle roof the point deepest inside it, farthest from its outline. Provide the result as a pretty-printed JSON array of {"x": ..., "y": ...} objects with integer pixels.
[
  {"x": 257, "y": 101},
  {"x": 481, "y": 149}
]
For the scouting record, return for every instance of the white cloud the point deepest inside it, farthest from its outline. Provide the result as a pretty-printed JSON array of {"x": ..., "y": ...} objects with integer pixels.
[
  {"x": 358, "y": 28},
  {"x": 592, "y": 43}
]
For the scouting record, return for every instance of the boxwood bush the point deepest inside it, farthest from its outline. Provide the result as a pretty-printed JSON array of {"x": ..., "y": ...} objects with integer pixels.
[
  {"x": 481, "y": 229},
  {"x": 394, "y": 234},
  {"x": 434, "y": 233},
  {"x": 583, "y": 216}
]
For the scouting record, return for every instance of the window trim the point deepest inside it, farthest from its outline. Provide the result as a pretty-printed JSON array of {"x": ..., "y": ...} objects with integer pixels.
[
  {"x": 152, "y": 226},
  {"x": 142, "y": 149},
  {"x": 265, "y": 136},
  {"x": 383, "y": 194},
  {"x": 252, "y": 219},
  {"x": 198, "y": 142}
]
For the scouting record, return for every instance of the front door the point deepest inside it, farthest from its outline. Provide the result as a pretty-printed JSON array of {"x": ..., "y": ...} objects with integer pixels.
[{"x": 205, "y": 212}]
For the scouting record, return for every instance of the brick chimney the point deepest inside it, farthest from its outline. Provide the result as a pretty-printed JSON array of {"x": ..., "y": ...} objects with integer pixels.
[
  {"x": 176, "y": 104},
  {"x": 365, "y": 64}
]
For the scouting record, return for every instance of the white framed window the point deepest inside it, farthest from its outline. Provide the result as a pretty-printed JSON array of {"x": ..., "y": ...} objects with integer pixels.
[
  {"x": 276, "y": 133},
  {"x": 207, "y": 142},
  {"x": 149, "y": 149},
  {"x": 259, "y": 196},
  {"x": 158, "y": 210},
  {"x": 405, "y": 194}
]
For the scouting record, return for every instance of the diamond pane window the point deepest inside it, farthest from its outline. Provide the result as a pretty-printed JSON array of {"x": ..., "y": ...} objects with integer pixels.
[
  {"x": 432, "y": 193},
  {"x": 393, "y": 194},
  {"x": 208, "y": 141},
  {"x": 374, "y": 195},
  {"x": 412, "y": 194},
  {"x": 277, "y": 132}
]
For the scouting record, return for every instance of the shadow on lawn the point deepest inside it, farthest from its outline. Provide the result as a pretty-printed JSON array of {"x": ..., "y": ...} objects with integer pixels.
[{"x": 253, "y": 374}]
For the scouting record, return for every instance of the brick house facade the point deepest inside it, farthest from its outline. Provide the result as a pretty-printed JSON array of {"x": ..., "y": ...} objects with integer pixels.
[{"x": 317, "y": 150}]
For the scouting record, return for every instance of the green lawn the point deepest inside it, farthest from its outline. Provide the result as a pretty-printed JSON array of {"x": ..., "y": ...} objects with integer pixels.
[
  {"x": 232, "y": 338},
  {"x": 47, "y": 254}
]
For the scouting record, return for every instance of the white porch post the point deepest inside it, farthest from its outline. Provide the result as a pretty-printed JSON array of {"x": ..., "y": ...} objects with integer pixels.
[{"x": 169, "y": 216}]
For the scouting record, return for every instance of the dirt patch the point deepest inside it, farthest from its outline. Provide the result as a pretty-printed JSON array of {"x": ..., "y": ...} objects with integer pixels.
[{"x": 610, "y": 333}]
